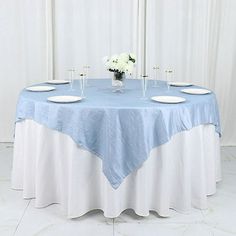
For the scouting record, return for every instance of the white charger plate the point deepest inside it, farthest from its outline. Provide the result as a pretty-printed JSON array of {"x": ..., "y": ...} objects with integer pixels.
[
  {"x": 180, "y": 84},
  {"x": 196, "y": 91},
  {"x": 64, "y": 99},
  {"x": 168, "y": 99},
  {"x": 40, "y": 88},
  {"x": 57, "y": 81}
]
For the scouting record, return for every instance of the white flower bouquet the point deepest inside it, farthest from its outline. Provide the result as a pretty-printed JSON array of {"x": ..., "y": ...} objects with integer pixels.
[{"x": 120, "y": 64}]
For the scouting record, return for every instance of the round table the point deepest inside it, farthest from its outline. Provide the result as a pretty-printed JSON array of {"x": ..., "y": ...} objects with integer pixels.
[{"x": 116, "y": 151}]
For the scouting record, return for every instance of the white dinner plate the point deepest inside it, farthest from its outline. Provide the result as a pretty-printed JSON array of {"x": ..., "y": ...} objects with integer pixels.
[
  {"x": 168, "y": 99},
  {"x": 64, "y": 99},
  {"x": 196, "y": 91},
  {"x": 40, "y": 88},
  {"x": 179, "y": 84},
  {"x": 57, "y": 81}
]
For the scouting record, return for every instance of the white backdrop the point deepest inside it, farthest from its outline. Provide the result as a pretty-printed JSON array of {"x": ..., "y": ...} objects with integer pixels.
[
  {"x": 86, "y": 31},
  {"x": 23, "y": 55},
  {"x": 197, "y": 39},
  {"x": 194, "y": 38}
]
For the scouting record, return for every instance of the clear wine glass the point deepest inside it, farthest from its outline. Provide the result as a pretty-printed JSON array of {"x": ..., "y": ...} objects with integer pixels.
[
  {"x": 71, "y": 77},
  {"x": 169, "y": 73},
  {"x": 144, "y": 87},
  {"x": 86, "y": 75},
  {"x": 82, "y": 84},
  {"x": 156, "y": 71}
]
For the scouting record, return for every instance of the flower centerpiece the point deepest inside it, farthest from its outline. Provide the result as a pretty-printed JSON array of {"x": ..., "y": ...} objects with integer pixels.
[{"x": 120, "y": 65}]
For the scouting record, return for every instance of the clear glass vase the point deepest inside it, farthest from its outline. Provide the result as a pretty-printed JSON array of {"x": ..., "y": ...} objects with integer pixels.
[{"x": 118, "y": 80}]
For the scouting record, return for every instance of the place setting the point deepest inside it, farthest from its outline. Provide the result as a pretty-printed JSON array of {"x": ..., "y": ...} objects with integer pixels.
[
  {"x": 71, "y": 98},
  {"x": 46, "y": 88},
  {"x": 68, "y": 98},
  {"x": 55, "y": 99},
  {"x": 167, "y": 99},
  {"x": 177, "y": 99},
  {"x": 186, "y": 88}
]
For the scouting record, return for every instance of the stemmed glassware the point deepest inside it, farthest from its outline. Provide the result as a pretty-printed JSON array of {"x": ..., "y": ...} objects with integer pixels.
[
  {"x": 144, "y": 87},
  {"x": 82, "y": 84},
  {"x": 86, "y": 74},
  {"x": 168, "y": 78},
  {"x": 156, "y": 71},
  {"x": 71, "y": 77}
]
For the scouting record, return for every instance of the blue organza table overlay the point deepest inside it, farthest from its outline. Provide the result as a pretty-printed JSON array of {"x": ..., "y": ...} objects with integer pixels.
[{"x": 121, "y": 129}]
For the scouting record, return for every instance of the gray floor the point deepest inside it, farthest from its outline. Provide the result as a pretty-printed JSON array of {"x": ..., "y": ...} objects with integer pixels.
[{"x": 19, "y": 217}]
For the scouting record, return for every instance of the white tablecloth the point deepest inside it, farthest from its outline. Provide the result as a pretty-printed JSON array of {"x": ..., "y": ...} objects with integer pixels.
[{"x": 51, "y": 168}]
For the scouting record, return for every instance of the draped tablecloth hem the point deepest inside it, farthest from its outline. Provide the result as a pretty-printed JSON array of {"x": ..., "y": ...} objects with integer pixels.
[
  {"x": 144, "y": 212},
  {"x": 178, "y": 174},
  {"x": 108, "y": 173},
  {"x": 138, "y": 212}
]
